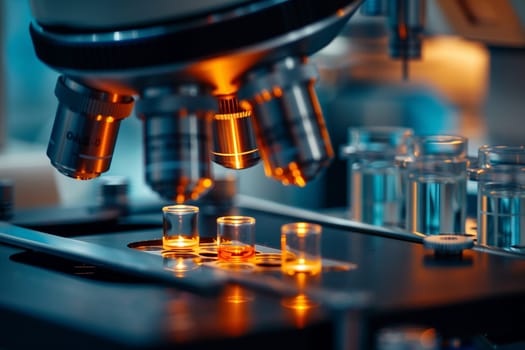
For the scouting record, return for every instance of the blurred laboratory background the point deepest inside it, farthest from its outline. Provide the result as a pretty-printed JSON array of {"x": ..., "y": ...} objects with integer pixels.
[{"x": 461, "y": 85}]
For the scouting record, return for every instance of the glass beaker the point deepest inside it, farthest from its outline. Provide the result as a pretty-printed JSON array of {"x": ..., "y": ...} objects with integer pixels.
[
  {"x": 375, "y": 188},
  {"x": 501, "y": 196},
  {"x": 436, "y": 184}
]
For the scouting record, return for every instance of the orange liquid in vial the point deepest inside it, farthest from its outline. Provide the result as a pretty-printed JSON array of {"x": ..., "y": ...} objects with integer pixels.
[
  {"x": 236, "y": 253},
  {"x": 311, "y": 267},
  {"x": 180, "y": 242}
]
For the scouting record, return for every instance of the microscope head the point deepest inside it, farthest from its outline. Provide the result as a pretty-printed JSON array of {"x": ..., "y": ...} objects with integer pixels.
[{"x": 226, "y": 81}]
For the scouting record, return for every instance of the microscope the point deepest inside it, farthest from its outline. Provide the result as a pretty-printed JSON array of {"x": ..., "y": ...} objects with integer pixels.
[
  {"x": 230, "y": 82},
  {"x": 226, "y": 81},
  {"x": 205, "y": 91}
]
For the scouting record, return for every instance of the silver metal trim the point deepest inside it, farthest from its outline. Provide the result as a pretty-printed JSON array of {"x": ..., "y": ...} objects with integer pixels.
[
  {"x": 148, "y": 32},
  {"x": 281, "y": 209},
  {"x": 133, "y": 77},
  {"x": 249, "y": 202}
]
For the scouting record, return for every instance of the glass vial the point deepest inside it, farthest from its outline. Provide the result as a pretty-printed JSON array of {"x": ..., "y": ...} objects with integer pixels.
[
  {"x": 301, "y": 248},
  {"x": 436, "y": 184},
  {"x": 501, "y": 196},
  {"x": 236, "y": 239},
  {"x": 375, "y": 185},
  {"x": 180, "y": 227}
]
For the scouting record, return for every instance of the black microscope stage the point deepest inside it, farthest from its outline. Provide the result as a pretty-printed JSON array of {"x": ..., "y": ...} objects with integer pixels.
[{"x": 370, "y": 281}]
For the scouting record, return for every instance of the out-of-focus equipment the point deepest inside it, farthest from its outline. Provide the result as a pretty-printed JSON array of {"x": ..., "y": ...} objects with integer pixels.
[
  {"x": 232, "y": 71},
  {"x": 500, "y": 177},
  {"x": 406, "y": 21},
  {"x": 376, "y": 190},
  {"x": 436, "y": 184},
  {"x": 6, "y": 199}
]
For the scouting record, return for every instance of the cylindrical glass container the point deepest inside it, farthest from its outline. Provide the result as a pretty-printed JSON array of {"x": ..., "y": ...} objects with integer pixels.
[
  {"x": 301, "y": 248},
  {"x": 375, "y": 188},
  {"x": 436, "y": 180},
  {"x": 236, "y": 239},
  {"x": 180, "y": 227},
  {"x": 501, "y": 196}
]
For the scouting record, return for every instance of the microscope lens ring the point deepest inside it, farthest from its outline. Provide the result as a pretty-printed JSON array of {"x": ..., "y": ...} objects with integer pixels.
[{"x": 143, "y": 49}]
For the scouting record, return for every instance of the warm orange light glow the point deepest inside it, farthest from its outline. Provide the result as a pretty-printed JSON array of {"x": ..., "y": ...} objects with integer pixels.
[
  {"x": 292, "y": 174},
  {"x": 303, "y": 265},
  {"x": 186, "y": 189},
  {"x": 237, "y": 295},
  {"x": 300, "y": 250},
  {"x": 296, "y": 175},
  {"x": 277, "y": 91},
  {"x": 299, "y": 180},
  {"x": 230, "y": 116},
  {"x": 223, "y": 72},
  {"x": 302, "y": 229},
  {"x": 266, "y": 95},
  {"x": 402, "y": 31},
  {"x": 456, "y": 68},
  {"x": 234, "y": 310},
  {"x": 340, "y": 13},
  {"x": 236, "y": 253},
  {"x": 232, "y": 154},
  {"x": 180, "y": 266},
  {"x": 233, "y": 137},
  {"x": 180, "y": 198},
  {"x": 110, "y": 119},
  {"x": 300, "y": 280},
  {"x": 180, "y": 242},
  {"x": 245, "y": 105},
  {"x": 300, "y": 305}
]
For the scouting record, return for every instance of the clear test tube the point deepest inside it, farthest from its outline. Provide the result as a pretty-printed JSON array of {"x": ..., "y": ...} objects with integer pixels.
[
  {"x": 375, "y": 186},
  {"x": 500, "y": 174},
  {"x": 436, "y": 184}
]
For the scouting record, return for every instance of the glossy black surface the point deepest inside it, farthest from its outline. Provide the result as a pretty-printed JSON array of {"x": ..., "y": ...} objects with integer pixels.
[
  {"x": 55, "y": 48},
  {"x": 60, "y": 301}
]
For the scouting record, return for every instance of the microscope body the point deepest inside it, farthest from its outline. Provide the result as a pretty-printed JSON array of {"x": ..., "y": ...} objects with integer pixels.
[{"x": 203, "y": 90}]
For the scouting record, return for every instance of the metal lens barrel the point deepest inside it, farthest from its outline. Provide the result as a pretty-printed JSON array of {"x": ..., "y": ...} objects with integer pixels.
[
  {"x": 85, "y": 129},
  {"x": 289, "y": 125},
  {"x": 177, "y": 143}
]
